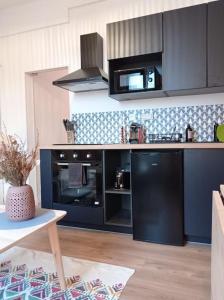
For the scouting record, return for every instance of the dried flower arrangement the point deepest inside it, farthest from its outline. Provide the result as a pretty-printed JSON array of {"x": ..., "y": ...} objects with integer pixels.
[{"x": 16, "y": 162}]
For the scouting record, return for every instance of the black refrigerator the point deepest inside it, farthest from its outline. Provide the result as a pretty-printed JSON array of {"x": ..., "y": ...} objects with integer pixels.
[{"x": 157, "y": 196}]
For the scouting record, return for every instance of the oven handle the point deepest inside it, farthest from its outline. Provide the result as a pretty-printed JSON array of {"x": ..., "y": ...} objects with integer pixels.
[{"x": 66, "y": 164}]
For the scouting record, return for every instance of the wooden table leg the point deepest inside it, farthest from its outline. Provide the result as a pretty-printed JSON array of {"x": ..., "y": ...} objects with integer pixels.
[{"x": 55, "y": 247}]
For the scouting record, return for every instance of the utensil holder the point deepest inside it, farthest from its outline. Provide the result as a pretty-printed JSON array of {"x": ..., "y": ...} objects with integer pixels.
[{"x": 70, "y": 137}]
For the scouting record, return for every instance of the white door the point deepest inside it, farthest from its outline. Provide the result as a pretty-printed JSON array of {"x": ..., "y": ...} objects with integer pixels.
[
  {"x": 47, "y": 106},
  {"x": 1, "y": 181}
]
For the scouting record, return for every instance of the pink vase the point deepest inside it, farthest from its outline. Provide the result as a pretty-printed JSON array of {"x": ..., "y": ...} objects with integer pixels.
[{"x": 20, "y": 204}]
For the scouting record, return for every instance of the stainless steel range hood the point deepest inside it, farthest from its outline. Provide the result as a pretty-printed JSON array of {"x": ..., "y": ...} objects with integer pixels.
[{"x": 91, "y": 75}]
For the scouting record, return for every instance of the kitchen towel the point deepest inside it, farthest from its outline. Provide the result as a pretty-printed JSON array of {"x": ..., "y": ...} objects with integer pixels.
[{"x": 77, "y": 176}]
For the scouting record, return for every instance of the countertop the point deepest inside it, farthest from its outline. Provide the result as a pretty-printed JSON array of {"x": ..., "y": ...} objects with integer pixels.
[{"x": 208, "y": 145}]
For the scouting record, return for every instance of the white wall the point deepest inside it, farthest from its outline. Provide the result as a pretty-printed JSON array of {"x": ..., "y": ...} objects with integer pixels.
[
  {"x": 58, "y": 45},
  {"x": 32, "y": 14},
  {"x": 100, "y": 102}
]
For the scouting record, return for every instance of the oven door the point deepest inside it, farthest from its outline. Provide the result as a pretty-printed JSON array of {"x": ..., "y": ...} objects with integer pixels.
[
  {"x": 89, "y": 193},
  {"x": 130, "y": 80}
]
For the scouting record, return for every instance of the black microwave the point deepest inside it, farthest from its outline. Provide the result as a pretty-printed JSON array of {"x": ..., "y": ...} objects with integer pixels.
[{"x": 137, "y": 79}]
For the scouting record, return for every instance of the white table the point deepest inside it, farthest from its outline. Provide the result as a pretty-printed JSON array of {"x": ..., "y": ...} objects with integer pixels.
[{"x": 13, "y": 232}]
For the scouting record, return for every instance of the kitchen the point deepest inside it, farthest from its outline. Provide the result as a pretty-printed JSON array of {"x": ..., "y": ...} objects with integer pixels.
[
  {"x": 166, "y": 139},
  {"x": 136, "y": 136}
]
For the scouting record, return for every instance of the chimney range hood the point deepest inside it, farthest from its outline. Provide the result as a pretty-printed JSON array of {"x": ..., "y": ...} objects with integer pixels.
[{"x": 91, "y": 75}]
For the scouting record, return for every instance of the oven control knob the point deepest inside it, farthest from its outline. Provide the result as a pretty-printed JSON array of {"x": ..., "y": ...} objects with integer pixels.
[
  {"x": 62, "y": 155},
  {"x": 89, "y": 155},
  {"x": 75, "y": 155}
]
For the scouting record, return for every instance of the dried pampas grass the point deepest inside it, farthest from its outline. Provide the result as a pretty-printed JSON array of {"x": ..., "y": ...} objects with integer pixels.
[{"x": 16, "y": 162}]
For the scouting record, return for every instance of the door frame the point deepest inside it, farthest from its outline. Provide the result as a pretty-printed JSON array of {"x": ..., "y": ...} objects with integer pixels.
[
  {"x": 32, "y": 134},
  {"x": 2, "y": 183}
]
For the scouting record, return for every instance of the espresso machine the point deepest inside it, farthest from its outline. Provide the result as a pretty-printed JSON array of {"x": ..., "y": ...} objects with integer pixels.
[
  {"x": 122, "y": 180},
  {"x": 137, "y": 134}
]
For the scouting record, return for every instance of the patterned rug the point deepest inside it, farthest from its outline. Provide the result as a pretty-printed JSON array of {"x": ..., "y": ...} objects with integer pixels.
[{"x": 30, "y": 275}]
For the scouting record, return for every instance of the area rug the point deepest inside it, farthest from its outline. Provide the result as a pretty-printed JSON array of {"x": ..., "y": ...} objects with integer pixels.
[{"x": 30, "y": 275}]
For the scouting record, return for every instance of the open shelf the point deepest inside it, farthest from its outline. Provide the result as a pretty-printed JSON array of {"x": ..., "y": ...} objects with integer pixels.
[
  {"x": 118, "y": 209},
  {"x": 117, "y": 202},
  {"x": 121, "y": 218},
  {"x": 120, "y": 191},
  {"x": 116, "y": 160}
]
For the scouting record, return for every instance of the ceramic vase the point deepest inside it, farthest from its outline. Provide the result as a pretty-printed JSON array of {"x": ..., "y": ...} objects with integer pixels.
[{"x": 20, "y": 204}]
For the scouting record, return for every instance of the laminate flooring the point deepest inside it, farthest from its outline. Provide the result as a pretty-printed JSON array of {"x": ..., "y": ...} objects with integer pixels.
[{"x": 162, "y": 272}]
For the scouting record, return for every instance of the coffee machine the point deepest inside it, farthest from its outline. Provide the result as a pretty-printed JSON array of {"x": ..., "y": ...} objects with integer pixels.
[
  {"x": 122, "y": 180},
  {"x": 137, "y": 134}
]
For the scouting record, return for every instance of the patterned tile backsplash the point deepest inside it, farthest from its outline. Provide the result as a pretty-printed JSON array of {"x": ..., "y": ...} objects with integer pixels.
[{"x": 104, "y": 127}]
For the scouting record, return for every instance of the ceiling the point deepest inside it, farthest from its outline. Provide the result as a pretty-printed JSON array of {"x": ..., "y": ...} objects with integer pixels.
[{"x": 8, "y": 3}]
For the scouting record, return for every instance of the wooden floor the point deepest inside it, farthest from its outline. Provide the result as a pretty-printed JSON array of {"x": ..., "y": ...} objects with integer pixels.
[{"x": 162, "y": 272}]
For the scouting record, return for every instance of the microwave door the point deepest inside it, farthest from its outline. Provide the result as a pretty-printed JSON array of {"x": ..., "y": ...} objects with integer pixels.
[
  {"x": 123, "y": 82},
  {"x": 136, "y": 81},
  {"x": 129, "y": 80}
]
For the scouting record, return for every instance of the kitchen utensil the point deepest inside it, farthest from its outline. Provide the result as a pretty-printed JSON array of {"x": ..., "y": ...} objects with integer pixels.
[
  {"x": 70, "y": 136},
  {"x": 65, "y": 124},
  {"x": 70, "y": 127},
  {"x": 174, "y": 137}
]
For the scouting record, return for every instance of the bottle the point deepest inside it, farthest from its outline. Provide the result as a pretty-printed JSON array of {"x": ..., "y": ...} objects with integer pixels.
[
  {"x": 123, "y": 135},
  {"x": 189, "y": 134},
  {"x": 215, "y": 132}
]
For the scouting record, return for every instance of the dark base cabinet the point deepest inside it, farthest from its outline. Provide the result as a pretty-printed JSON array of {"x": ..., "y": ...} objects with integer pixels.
[
  {"x": 203, "y": 173},
  {"x": 86, "y": 215},
  {"x": 46, "y": 179},
  {"x": 154, "y": 197}
]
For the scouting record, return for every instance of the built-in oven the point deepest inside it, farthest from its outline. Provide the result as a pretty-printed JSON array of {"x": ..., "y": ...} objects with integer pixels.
[
  {"x": 77, "y": 178},
  {"x": 136, "y": 79}
]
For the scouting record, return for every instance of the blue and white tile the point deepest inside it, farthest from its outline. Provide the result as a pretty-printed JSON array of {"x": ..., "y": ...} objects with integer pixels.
[{"x": 104, "y": 127}]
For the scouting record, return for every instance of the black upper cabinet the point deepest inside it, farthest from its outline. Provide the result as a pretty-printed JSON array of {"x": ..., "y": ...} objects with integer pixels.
[
  {"x": 185, "y": 44},
  {"x": 215, "y": 44},
  {"x": 134, "y": 37}
]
